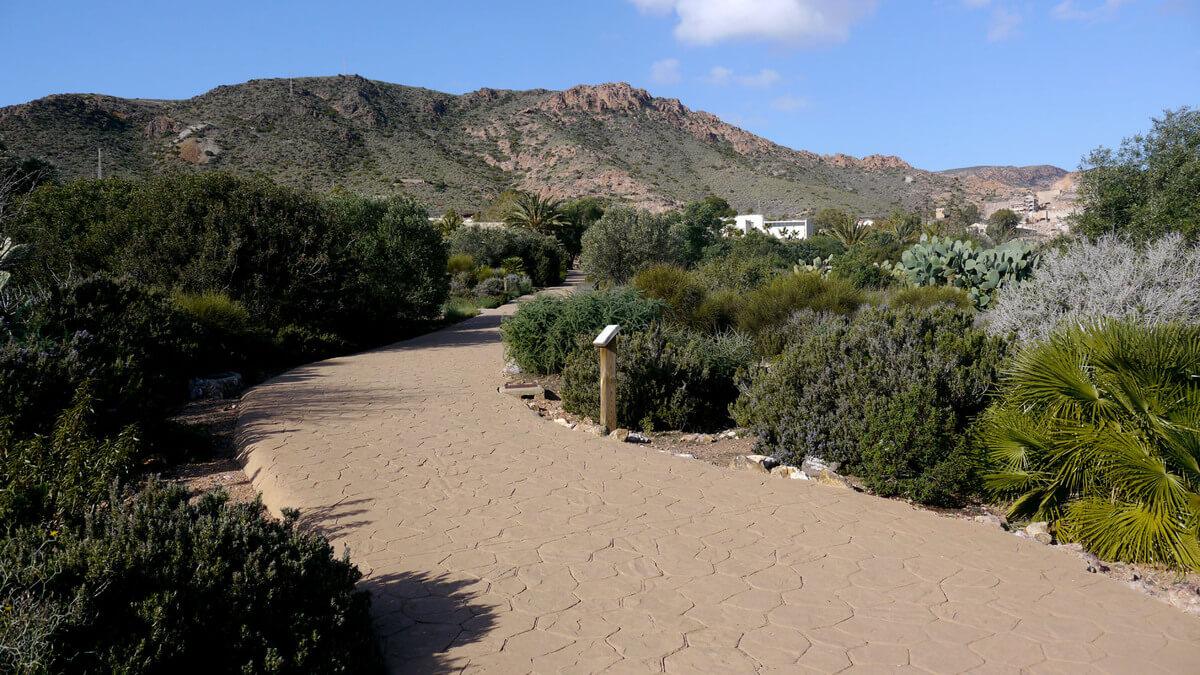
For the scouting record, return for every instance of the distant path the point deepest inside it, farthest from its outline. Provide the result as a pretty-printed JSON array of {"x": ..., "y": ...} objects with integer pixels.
[{"x": 495, "y": 541}]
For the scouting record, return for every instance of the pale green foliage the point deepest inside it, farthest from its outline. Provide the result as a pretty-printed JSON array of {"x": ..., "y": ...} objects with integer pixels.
[
  {"x": 981, "y": 272},
  {"x": 1098, "y": 432},
  {"x": 10, "y": 255},
  {"x": 449, "y": 222},
  {"x": 625, "y": 241},
  {"x": 841, "y": 226}
]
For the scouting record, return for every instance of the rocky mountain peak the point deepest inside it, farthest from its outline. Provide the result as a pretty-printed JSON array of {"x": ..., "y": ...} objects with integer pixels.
[{"x": 599, "y": 98}]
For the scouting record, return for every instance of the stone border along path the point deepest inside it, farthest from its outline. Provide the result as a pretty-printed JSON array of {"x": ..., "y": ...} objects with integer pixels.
[{"x": 494, "y": 541}]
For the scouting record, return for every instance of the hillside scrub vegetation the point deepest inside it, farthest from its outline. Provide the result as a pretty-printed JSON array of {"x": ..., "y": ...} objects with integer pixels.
[
  {"x": 625, "y": 241},
  {"x": 543, "y": 258}
]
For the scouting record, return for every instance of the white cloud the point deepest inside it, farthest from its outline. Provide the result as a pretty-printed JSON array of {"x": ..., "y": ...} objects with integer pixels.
[
  {"x": 722, "y": 76},
  {"x": 793, "y": 22},
  {"x": 665, "y": 71},
  {"x": 1070, "y": 10},
  {"x": 1002, "y": 25},
  {"x": 789, "y": 103}
]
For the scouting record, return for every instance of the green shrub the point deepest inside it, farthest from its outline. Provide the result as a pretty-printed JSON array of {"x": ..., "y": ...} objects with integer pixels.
[
  {"x": 718, "y": 313},
  {"x": 458, "y": 309},
  {"x": 543, "y": 258},
  {"x": 772, "y": 304},
  {"x": 512, "y": 265},
  {"x": 625, "y": 241},
  {"x": 131, "y": 342},
  {"x": 858, "y": 267},
  {"x": 924, "y": 297},
  {"x": 490, "y": 287},
  {"x": 681, "y": 294},
  {"x": 158, "y": 584},
  {"x": 63, "y": 472},
  {"x": 841, "y": 383},
  {"x": 668, "y": 377},
  {"x": 300, "y": 344},
  {"x": 460, "y": 262},
  {"x": 1095, "y": 431},
  {"x": 545, "y": 330}
]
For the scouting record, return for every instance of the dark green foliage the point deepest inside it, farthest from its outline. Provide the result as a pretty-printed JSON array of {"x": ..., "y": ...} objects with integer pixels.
[
  {"x": 156, "y": 584},
  {"x": 1147, "y": 188},
  {"x": 347, "y": 265},
  {"x": 681, "y": 293},
  {"x": 543, "y": 257},
  {"x": 1095, "y": 431},
  {"x": 858, "y": 267},
  {"x": 131, "y": 342},
  {"x": 668, "y": 377},
  {"x": 579, "y": 215},
  {"x": 544, "y": 331},
  {"x": 981, "y": 272},
  {"x": 65, "y": 471},
  {"x": 702, "y": 224},
  {"x": 719, "y": 311},
  {"x": 626, "y": 241},
  {"x": 226, "y": 337},
  {"x": 1002, "y": 225},
  {"x": 842, "y": 382}
]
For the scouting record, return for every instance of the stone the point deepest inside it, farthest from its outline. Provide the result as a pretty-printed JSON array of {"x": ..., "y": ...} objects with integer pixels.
[
  {"x": 831, "y": 479},
  {"x": 685, "y": 455},
  {"x": 562, "y": 421},
  {"x": 789, "y": 471},
  {"x": 1040, "y": 532},
  {"x": 732, "y": 433},
  {"x": 697, "y": 438},
  {"x": 757, "y": 463},
  {"x": 511, "y": 368},
  {"x": 619, "y": 434},
  {"x": 813, "y": 466},
  {"x": 217, "y": 386},
  {"x": 593, "y": 429},
  {"x": 636, "y": 437},
  {"x": 522, "y": 389},
  {"x": 993, "y": 520}
]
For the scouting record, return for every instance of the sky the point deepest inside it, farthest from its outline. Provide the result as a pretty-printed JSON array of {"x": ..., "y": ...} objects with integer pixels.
[{"x": 941, "y": 83}]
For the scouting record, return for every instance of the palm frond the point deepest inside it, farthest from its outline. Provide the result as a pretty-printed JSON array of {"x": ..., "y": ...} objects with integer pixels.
[{"x": 1132, "y": 532}]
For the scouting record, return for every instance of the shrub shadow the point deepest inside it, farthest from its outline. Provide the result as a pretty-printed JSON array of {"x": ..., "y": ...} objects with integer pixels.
[{"x": 419, "y": 616}]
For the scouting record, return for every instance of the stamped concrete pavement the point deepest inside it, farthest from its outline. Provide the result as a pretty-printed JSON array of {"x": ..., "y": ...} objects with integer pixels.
[{"x": 493, "y": 541}]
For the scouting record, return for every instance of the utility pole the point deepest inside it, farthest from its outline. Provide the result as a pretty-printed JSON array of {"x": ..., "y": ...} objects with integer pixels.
[{"x": 99, "y": 166}]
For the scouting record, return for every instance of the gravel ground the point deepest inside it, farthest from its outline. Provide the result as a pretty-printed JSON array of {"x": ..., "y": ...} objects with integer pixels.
[{"x": 220, "y": 468}]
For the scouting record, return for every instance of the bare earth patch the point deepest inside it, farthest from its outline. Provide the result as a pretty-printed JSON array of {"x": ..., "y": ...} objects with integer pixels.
[{"x": 221, "y": 468}]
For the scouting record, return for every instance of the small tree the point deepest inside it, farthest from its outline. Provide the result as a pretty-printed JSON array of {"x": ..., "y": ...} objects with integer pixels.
[
  {"x": 449, "y": 222},
  {"x": 626, "y": 241},
  {"x": 841, "y": 226},
  {"x": 532, "y": 212},
  {"x": 701, "y": 225},
  {"x": 905, "y": 227},
  {"x": 1002, "y": 225}
]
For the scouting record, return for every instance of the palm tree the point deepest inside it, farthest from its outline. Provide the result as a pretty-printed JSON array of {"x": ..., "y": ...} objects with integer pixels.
[
  {"x": 848, "y": 230},
  {"x": 450, "y": 221},
  {"x": 1098, "y": 431},
  {"x": 905, "y": 227},
  {"x": 534, "y": 213}
]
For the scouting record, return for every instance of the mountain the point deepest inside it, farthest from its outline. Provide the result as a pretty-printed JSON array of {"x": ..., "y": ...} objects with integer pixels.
[
  {"x": 996, "y": 182},
  {"x": 460, "y": 151}
]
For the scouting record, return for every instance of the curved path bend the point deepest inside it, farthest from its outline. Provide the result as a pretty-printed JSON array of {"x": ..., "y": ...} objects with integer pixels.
[{"x": 494, "y": 541}]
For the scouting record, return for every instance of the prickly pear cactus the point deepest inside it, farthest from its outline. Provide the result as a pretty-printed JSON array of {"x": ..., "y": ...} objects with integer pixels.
[
  {"x": 823, "y": 267},
  {"x": 938, "y": 261}
]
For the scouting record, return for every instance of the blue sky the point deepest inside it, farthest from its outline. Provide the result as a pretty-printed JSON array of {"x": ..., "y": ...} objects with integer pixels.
[{"x": 942, "y": 83}]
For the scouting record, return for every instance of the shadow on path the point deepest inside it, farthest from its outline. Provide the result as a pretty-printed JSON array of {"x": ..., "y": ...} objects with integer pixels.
[{"x": 419, "y": 616}]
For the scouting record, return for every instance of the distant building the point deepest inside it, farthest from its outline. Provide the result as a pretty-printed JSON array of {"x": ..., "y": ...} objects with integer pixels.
[{"x": 781, "y": 229}]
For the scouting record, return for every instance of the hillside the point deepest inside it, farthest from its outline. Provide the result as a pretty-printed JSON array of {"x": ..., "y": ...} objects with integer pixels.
[
  {"x": 610, "y": 140},
  {"x": 997, "y": 182}
]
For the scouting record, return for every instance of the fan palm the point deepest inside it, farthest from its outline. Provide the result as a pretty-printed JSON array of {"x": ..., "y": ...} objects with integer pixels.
[
  {"x": 534, "y": 213},
  {"x": 1098, "y": 431},
  {"x": 849, "y": 231},
  {"x": 905, "y": 227}
]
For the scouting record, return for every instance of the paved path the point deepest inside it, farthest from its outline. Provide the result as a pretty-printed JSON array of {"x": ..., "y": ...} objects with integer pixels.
[{"x": 495, "y": 541}]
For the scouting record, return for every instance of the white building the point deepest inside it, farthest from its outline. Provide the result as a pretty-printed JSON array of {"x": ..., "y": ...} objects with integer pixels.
[{"x": 782, "y": 229}]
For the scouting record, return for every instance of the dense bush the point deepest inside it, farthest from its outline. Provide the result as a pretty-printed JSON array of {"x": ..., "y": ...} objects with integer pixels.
[
  {"x": 842, "y": 389},
  {"x": 625, "y": 241},
  {"x": 924, "y": 297},
  {"x": 543, "y": 258},
  {"x": 681, "y": 293},
  {"x": 668, "y": 377},
  {"x": 1095, "y": 431},
  {"x": 344, "y": 264},
  {"x": 157, "y": 584},
  {"x": 227, "y": 338},
  {"x": 858, "y": 267},
  {"x": 774, "y": 302},
  {"x": 1156, "y": 283},
  {"x": 746, "y": 262},
  {"x": 132, "y": 343},
  {"x": 544, "y": 331}
]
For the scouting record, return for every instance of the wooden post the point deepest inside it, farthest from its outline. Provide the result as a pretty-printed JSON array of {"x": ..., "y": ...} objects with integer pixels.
[{"x": 606, "y": 345}]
